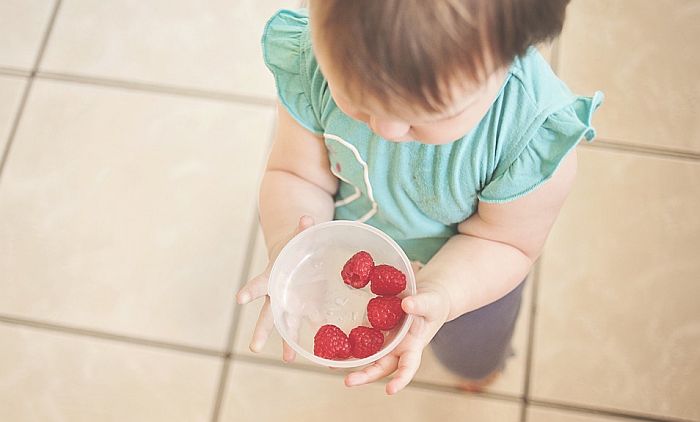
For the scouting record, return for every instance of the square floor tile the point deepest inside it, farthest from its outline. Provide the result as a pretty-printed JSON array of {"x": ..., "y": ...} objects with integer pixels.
[
  {"x": 644, "y": 56},
  {"x": 211, "y": 44},
  {"x": 261, "y": 393},
  {"x": 129, "y": 212},
  {"x": 541, "y": 414},
  {"x": 48, "y": 376},
  {"x": 23, "y": 24},
  {"x": 11, "y": 89},
  {"x": 618, "y": 323}
]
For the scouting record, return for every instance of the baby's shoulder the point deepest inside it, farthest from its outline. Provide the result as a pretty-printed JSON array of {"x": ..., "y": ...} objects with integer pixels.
[
  {"x": 287, "y": 52},
  {"x": 535, "y": 85},
  {"x": 539, "y": 121}
]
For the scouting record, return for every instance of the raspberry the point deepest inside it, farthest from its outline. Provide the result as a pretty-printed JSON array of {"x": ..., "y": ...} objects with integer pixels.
[
  {"x": 330, "y": 342},
  {"x": 365, "y": 341},
  {"x": 384, "y": 312},
  {"x": 356, "y": 270},
  {"x": 387, "y": 280}
]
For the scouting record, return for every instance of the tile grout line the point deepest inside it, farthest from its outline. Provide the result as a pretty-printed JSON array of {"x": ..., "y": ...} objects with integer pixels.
[
  {"x": 603, "y": 412},
  {"x": 85, "y": 332},
  {"x": 27, "y": 89},
  {"x": 420, "y": 385},
  {"x": 428, "y": 386},
  {"x": 157, "y": 88},
  {"x": 45, "y": 40},
  {"x": 616, "y": 145},
  {"x": 532, "y": 309},
  {"x": 11, "y": 71},
  {"x": 233, "y": 327},
  {"x": 235, "y": 321},
  {"x": 601, "y": 143},
  {"x": 604, "y": 143},
  {"x": 4, "y": 154}
]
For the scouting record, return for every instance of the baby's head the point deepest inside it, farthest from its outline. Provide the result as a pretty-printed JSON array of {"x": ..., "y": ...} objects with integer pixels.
[{"x": 424, "y": 70}]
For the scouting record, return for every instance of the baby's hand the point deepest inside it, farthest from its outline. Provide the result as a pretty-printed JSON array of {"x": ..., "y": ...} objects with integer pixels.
[
  {"x": 257, "y": 287},
  {"x": 430, "y": 307}
]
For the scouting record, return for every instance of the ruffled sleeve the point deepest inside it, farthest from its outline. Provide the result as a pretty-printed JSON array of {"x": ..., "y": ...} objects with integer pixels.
[
  {"x": 543, "y": 150},
  {"x": 283, "y": 45}
]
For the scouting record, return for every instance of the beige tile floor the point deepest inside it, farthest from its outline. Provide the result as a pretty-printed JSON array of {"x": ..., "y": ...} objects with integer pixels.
[
  {"x": 11, "y": 89},
  {"x": 127, "y": 221},
  {"x": 23, "y": 23}
]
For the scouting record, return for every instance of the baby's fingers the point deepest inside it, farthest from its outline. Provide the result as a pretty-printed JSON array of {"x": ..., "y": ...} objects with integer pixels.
[
  {"x": 408, "y": 366},
  {"x": 262, "y": 328},
  {"x": 292, "y": 323},
  {"x": 288, "y": 354},
  {"x": 374, "y": 372},
  {"x": 254, "y": 288},
  {"x": 430, "y": 304}
]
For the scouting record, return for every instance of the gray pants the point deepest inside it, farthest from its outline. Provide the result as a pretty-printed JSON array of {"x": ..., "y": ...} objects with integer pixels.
[{"x": 478, "y": 343}]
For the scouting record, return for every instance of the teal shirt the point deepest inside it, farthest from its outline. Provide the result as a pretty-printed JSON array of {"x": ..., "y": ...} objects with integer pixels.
[{"x": 418, "y": 193}]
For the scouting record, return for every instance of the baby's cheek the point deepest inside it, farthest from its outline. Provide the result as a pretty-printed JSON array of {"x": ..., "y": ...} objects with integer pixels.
[
  {"x": 361, "y": 117},
  {"x": 352, "y": 112}
]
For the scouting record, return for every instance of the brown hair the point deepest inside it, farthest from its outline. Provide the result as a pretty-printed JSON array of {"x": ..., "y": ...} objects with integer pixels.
[{"x": 412, "y": 49}]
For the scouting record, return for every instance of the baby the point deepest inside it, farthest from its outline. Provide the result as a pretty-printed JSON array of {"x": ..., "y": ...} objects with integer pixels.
[{"x": 439, "y": 123}]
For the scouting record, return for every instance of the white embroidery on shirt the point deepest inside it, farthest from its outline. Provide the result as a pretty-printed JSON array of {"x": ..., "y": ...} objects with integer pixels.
[{"x": 357, "y": 193}]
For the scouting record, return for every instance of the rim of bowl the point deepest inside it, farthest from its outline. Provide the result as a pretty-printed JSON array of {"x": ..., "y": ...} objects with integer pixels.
[{"x": 352, "y": 363}]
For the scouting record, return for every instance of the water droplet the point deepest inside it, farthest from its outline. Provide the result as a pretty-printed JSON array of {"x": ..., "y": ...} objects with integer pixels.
[
  {"x": 354, "y": 316},
  {"x": 341, "y": 301},
  {"x": 329, "y": 313},
  {"x": 315, "y": 315}
]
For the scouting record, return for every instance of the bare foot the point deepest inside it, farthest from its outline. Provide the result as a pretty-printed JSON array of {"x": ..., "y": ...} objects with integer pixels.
[{"x": 478, "y": 386}]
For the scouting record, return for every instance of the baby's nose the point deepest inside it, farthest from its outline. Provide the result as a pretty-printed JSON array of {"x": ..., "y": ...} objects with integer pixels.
[{"x": 389, "y": 129}]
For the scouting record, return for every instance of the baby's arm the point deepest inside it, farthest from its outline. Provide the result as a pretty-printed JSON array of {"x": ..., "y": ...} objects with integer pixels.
[
  {"x": 491, "y": 254},
  {"x": 297, "y": 180},
  {"x": 297, "y": 183},
  {"x": 496, "y": 247}
]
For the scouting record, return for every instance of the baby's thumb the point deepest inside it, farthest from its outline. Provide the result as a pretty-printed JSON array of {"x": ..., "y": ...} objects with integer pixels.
[
  {"x": 253, "y": 289},
  {"x": 305, "y": 222},
  {"x": 428, "y": 304},
  {"x": 257, "y": 286}
]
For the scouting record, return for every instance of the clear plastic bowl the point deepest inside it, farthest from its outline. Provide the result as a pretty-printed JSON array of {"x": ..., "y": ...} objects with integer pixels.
[{"x": 306, "y": 289}]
